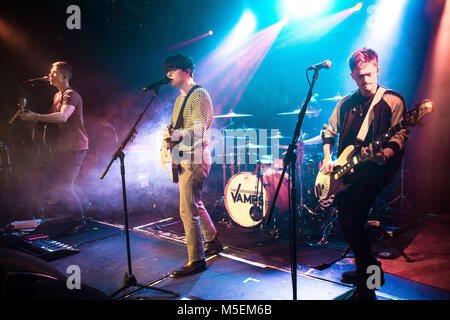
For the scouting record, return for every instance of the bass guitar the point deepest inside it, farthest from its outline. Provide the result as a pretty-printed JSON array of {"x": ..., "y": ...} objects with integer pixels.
[{"x": 328, "y": 185}]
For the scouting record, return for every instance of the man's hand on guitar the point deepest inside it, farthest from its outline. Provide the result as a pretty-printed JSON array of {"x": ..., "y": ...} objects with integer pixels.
[
  {"x": 165, "y": 154},
  {"x": 28, "y": 116},
  {"x": 327, "y": 167},
  {"x": 379, "y": 156}
]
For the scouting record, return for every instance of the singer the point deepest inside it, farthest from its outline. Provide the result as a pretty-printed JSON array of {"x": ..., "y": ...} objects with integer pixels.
[
  {"x": 370, "y": 177},
  {"x": 68, "y": 142},
  {"x": 196, "y": 111}
]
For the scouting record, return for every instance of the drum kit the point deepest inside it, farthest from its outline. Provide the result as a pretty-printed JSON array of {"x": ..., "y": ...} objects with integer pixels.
[{"x": 249, "y": 191}]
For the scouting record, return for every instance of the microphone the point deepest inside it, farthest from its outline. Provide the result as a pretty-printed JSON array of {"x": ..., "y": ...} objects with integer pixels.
[
  {"x": 156, "y": 85},
  {"x": 324, "y": 65},
  {"x": 36, "y": 79}
]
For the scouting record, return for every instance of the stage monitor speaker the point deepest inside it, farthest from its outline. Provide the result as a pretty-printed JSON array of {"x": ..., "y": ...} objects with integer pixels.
[{"x": 25, "y": 277}]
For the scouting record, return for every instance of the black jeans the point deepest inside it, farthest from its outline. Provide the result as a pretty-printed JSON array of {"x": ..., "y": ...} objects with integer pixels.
[
  {"x": 64, "y": 170},
  {"x": 353, "y": 209}
]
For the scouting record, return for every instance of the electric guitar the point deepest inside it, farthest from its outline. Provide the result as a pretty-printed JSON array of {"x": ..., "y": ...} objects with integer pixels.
[
  {"x": 166, "y": 152},
  {"x": 38, "y": 131},
  {"x": 327, "y": 186}
]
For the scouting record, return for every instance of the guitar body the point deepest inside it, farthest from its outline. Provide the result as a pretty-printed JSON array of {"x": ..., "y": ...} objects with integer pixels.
[
  {"x": 170, "y": 145},
  {"x": 327, "y": 186}
]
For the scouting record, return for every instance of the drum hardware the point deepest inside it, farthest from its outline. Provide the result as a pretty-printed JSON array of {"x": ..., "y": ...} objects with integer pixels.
[
  {"x": 247, "y": 197},
  {"x": 326, "y": 224}
]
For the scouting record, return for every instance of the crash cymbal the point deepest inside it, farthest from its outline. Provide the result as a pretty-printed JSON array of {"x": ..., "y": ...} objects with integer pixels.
[
  {"x": 313, "y": 141},
  {"x": 335, "y": 98},
  {"x": 278, "y": 136},
  {"x": 251, "y": 146},
  {"x": 233, "y": 115},
  {"x": 297, "y": 112}
]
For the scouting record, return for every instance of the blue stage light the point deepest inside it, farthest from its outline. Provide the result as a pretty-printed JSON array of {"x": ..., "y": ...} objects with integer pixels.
[
  {"x": 305, "y": 8},
  {"x": 246, "y": 24}
]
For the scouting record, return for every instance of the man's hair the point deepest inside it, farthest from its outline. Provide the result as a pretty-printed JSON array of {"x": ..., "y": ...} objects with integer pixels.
[
  {"x": 179, "y": 61},
  {"x": 65, "y": 68},
  {"x": 361, "y": 56}
]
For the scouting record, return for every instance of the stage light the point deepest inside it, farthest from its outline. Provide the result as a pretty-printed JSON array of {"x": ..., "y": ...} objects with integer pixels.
[
  {"x": 187, "y": 42},
  {"x": 246, "y": 24},
  {"x": 305, "y": 8},
  {"x": 385, "y": 16},
  {"x": 358, "y": 6}
]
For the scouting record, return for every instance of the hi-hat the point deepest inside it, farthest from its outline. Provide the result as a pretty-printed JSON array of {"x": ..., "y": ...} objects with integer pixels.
[{"x": 233, "y": 115}]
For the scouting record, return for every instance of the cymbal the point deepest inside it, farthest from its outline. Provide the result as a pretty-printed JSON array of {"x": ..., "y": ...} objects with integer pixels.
[
  {"x": 278, "y": 137},
  {"x": 251, "y": 146},
  {"x": 335, "y": 98},
  {"x": 297, "y": 112},
  {"x": 313, "y": 141},
  {"x": 233, "y": 115}
]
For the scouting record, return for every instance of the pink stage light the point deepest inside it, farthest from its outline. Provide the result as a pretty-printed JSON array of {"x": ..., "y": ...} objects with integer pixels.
[
  {"x": 227, "y": 71},
  {"x": 185, "y": 43}
]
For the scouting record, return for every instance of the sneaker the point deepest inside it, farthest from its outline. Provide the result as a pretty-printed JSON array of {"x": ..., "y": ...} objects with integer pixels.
[
  {"x": 213, "y": 247},
  {"x": 189, "y": 269}
]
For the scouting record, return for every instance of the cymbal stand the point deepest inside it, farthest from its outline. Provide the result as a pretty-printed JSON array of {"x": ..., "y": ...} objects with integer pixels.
[{"x": 401, "y": 197}]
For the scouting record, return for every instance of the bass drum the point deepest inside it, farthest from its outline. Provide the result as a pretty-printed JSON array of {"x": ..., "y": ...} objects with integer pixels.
[{"x": 248, "y": 199}]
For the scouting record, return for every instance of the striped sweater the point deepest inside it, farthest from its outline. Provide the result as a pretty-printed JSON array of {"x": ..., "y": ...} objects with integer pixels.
[{"x": 197, "y": 117}]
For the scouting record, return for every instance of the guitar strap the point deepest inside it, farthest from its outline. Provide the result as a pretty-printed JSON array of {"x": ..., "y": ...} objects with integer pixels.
[
  {"x": 369, "y": 116},
  {"x": 180, "y": 114}
]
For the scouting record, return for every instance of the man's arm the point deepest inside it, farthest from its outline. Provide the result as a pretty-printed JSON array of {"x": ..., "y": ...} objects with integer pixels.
[
  {"x": 55, "y": 117},
  {"x": 328, "y": 134}
]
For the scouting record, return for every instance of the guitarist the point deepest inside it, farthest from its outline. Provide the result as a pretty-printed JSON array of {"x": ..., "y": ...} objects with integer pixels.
[
  {"x": 191, "y": 124},
  {"x": 369, "y": 178},
  {"x": 70, "y": 139}
]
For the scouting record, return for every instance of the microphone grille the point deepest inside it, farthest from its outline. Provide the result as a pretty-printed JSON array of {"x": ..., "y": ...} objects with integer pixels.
[{"x": 327, "y": 64}]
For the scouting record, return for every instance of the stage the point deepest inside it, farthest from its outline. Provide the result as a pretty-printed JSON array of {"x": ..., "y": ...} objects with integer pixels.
[{"x": 243, "y": 271}]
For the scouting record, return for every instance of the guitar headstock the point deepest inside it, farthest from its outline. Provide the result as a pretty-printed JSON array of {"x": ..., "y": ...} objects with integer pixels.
[
  {"x": 22, "y": 103},
  {"x": 414, "y": 117}
]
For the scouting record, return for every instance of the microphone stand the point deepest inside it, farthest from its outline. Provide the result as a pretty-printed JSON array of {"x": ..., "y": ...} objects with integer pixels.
[
  {"x": 130, "y": 279},
  {"x": 290, "y": 160}
]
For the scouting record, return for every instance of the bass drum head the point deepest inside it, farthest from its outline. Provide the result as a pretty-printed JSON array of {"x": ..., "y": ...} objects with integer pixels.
[{"x": 246, "y": 199}]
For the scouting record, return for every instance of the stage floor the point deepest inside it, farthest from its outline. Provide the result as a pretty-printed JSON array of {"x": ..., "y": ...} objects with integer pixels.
[{"x": 258, "y": 271}]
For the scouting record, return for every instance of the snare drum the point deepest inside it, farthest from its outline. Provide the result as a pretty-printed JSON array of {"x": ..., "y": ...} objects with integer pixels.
[{"x": 248, "y": 199}]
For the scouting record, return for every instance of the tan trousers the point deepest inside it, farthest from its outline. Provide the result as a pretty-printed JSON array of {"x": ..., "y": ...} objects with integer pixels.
[{"x": 193, "y": 214}]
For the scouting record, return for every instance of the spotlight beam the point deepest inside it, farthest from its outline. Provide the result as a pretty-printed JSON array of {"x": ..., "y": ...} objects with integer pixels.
[{"x": 187, "y": 42}]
